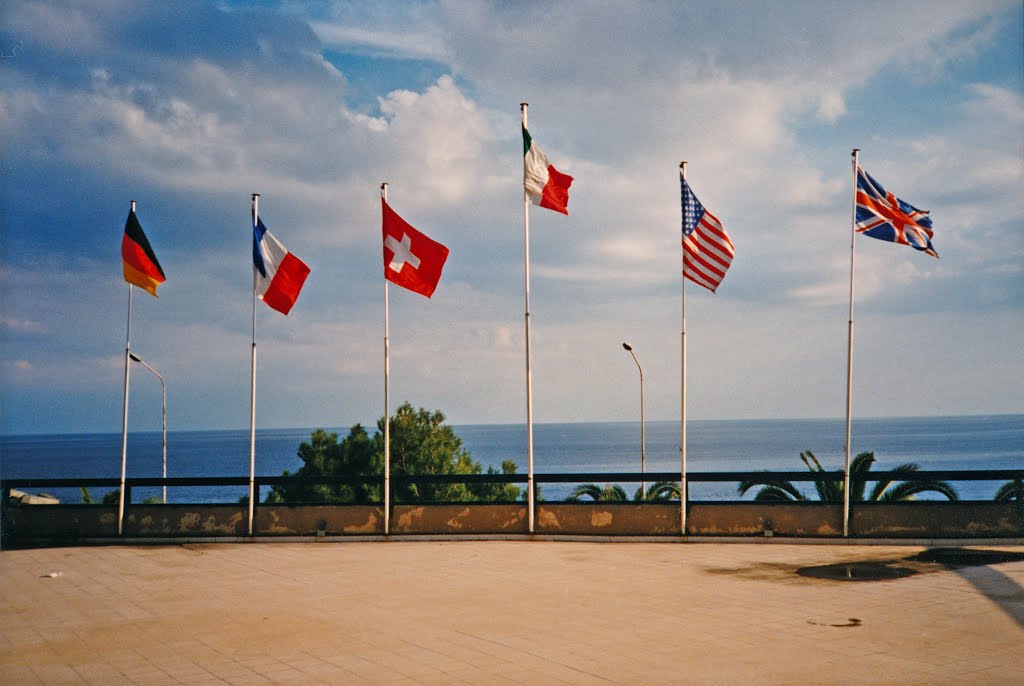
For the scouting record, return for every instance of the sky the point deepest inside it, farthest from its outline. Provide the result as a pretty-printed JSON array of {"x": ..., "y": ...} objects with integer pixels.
[{"x": 188, "y": 108}]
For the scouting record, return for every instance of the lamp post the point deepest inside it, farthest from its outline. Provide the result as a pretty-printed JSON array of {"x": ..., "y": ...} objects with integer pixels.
[
  {"x": 643, "y": 436},
  {"x": 163, "y": 385}
]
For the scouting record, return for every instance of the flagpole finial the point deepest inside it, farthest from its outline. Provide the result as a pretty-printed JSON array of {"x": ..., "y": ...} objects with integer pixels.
[
  {"x": 255, "y": 195},
  {"x": 855, "y": 151},
  {"x": 133, "y": 205},
  {"x": 523, "y": 104}
]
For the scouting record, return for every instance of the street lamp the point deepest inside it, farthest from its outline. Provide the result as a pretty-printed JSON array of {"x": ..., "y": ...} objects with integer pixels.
[
  {"x": 643, "y": 437},
  {"x": 164, "y": 387}
]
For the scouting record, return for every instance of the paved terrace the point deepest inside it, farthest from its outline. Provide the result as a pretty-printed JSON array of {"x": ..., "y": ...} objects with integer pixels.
[{"x": 503, "y": 612}]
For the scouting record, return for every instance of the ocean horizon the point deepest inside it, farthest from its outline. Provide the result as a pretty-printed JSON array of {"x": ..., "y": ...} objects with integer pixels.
[{"x": 946, "y": 443}]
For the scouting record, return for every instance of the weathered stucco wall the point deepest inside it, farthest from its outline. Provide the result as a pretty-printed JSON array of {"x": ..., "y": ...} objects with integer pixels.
[
  {"x": 754, "y": 519},
  {"x": 609, "y": 519},
  {"x": 186, "y": 520},
  {"x": 459, "y": 519},
  {"x": 939, "y": 519},
  {"x": 42, "y": 524},
  {"x": 59, "y": 523},
  {"x": 325, "y": 520}
]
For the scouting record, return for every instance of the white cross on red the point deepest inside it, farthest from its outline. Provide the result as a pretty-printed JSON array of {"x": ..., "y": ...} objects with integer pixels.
[{"x": 403, "y": 253}]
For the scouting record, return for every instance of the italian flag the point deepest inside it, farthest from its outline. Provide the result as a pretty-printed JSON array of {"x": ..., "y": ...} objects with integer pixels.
[{"x": 545, "y": 185}]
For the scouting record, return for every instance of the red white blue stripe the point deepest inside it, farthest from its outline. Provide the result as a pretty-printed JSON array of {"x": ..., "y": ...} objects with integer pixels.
[
  {"x": 707, "y": 248},
  {"x": 279, "y": 274}
]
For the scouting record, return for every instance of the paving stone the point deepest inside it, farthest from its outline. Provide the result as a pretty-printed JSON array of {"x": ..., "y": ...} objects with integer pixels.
[{"x": 501, "y": 612}]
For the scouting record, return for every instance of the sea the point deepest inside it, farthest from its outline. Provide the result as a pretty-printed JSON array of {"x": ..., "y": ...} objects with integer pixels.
[{"x": 933, "y": 443}]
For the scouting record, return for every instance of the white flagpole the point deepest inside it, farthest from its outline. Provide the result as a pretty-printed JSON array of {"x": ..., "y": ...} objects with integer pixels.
[
  {"x": 849, "y": 353},
  {"x": 683, "y": 489},
  {"x": 124, "y": 424},
  {"x": 529, "y": 383},
  {"x": 387, "y": 406},
  {"x": 252, "y": 384}
]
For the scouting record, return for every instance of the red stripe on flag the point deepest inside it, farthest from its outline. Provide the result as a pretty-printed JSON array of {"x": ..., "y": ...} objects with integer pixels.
[
  {"x": 284, "y": 288},
  {"x": 134, "y": 256},
  {"x": 707, "y": 255},
  {"x": 555, "y": 195}
]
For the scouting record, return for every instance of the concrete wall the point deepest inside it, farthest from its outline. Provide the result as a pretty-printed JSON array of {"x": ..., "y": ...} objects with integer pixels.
[
  {"x": 754, "y": 519},
  {"x": 951, "y": 520},
  {"x": 459, "y": 519},
  {"x": 59, "y": 523},
  {"x": 186, "y": 520},
  {"x": 311, "y": 520},
  {"x": 609, "y": 519},
  {"x": 34, "y": 524}
]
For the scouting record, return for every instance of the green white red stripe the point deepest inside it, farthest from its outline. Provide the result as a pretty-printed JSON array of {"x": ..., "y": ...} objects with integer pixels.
[{"x": 545, "y": 185}]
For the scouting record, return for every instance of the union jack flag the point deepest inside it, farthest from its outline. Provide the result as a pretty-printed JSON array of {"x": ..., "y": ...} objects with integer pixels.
[
  {"x": 883, "y": 216},
  {"x": 707, "y": 248}
]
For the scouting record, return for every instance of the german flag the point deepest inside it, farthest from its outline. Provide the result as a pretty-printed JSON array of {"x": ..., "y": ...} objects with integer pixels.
[{"x": 141, "y": 267}]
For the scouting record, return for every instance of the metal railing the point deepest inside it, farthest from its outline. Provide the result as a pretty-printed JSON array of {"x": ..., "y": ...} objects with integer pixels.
[
  {"x": 405, "y": 490},
  {"x": 400, "y": 481}
]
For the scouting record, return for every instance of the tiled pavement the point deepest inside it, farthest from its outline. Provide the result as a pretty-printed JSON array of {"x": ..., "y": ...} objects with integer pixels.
[{"x": 501, "y": 612}]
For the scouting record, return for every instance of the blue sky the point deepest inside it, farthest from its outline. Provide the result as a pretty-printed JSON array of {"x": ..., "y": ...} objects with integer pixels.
[{"x": 190, "y": 107}]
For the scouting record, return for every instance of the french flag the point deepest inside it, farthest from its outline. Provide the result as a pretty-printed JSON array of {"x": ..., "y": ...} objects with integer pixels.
[{"x": 279, "y": 274}]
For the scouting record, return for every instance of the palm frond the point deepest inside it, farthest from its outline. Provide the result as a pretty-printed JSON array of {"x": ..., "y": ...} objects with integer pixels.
[
  {"x": 593, "y": 491},
  {"x": 614, "y": 492},
  {"x": 773, "y": 493},
  {"x": 1011, "y": 490},
  {"x": 860, "y": 464},
  {"x": 882, "y": 487},
  {"x": 906, "y": 490},
  {"x": 663, "y": 490},
  {"x": 610, "y": 492},
  {"x": 828, "y": 490},
  {"x": 807, "y": 456},
  {"x": 773, "y": 486}
]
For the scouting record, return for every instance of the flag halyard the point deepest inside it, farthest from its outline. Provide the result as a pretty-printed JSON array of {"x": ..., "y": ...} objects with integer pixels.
[
  {"x": 412, "y": 260},
  {"x": 883, "y": 216},
  {"x": 707, "y": 249}
]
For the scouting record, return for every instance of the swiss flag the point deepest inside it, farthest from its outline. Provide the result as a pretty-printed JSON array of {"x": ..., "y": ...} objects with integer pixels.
[{"x": 411, "y": 260}]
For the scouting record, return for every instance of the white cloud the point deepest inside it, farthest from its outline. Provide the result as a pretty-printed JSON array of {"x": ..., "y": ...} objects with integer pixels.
[
  {"x": 16, "y": 325},
  {"x": 619, "y": 95},
  {"x": 407, "y": 45},
  {"x": 831, "y": 106}
]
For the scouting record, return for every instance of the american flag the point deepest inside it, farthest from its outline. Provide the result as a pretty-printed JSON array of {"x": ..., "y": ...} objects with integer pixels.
[
  {"x": 883, "y": 216},
  {"x": 707, "y": 248}
]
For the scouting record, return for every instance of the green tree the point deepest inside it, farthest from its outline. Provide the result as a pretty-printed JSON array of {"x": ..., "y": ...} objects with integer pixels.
[
  {"x": 421, "y": 444},
  {"x": 885, "y": 490},
  {"x": 323, "y": 455},
  {"x": 112, "y": 498},
  {"x": 499, "y": 492}
]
